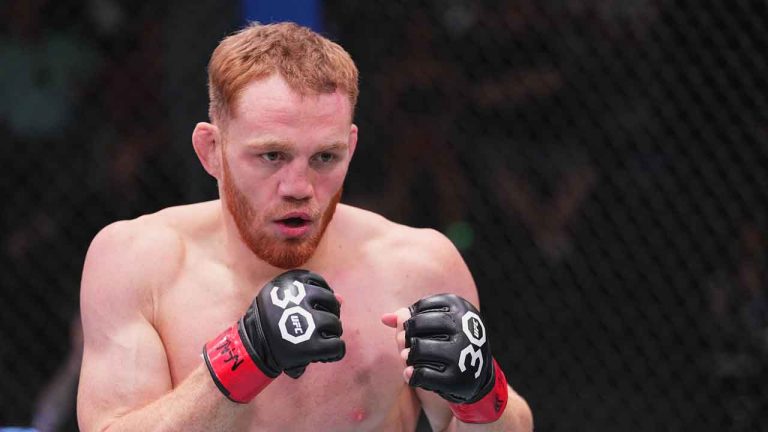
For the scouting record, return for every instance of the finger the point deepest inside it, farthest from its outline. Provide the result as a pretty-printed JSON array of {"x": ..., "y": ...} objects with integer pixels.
[
  {"x": 339, "y": 298},
  {"x": 429, "y": 379},
  {"x": 324, "y": 300},
  {"x": 404, "y": 354},
  {"x": 402, "y": 316},
  {"x": 427, "y": 352},
  {"x": 389, "y": 320},
  {"x": 440, "y": 302},
  {"x": 431, "y": 324},
  {"x": 327, "y": 324},
  {"x": 314, "y": 279},
  {"x": 400, "y": 338},
  {"x": 330, "y": 350},
  {"x": 408, "y": 373}
]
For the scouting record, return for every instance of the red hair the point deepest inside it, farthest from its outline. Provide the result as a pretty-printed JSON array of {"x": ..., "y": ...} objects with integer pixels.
[{"x": 308, "y": 62}]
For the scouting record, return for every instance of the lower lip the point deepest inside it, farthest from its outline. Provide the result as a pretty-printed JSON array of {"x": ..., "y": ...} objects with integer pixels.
[{"x": 293, "y": 232}]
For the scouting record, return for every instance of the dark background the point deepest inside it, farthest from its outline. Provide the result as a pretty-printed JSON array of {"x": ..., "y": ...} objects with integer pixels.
[{"x": 599, "y": 163}]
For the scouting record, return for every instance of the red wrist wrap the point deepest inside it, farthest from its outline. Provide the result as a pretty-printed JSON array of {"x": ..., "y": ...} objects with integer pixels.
[
  {"x": 490, "y": 407},
  {"x": 232, "y": 368}
]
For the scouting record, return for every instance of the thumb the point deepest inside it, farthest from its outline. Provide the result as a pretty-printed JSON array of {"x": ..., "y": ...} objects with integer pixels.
[
  {"x": 389, "y": 319},
  {"x": 396, "y": 319}
]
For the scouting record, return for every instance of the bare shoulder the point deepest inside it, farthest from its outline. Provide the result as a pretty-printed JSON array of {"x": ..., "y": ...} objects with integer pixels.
[
  {"x": 425, "y": 260},
  {"x": 131, "y": 258},
  {"x": 149, "y": 243}
]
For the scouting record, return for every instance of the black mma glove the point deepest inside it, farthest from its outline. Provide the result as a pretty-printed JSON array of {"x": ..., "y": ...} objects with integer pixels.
[
  {"x": 451, "y": 356},
  {"x": 293, "y": 321}
]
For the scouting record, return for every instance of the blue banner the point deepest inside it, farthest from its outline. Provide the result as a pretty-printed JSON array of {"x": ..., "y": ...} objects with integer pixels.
[{"x": 304, "y": 12}]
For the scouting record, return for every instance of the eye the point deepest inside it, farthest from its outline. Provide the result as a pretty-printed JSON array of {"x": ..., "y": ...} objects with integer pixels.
[
  {"x": 272, "y": 156},
  {"x": 326, "y": 157}
]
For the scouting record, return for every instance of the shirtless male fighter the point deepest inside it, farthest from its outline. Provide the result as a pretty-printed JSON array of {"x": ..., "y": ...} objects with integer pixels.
[{"x": 191, "y": 322}]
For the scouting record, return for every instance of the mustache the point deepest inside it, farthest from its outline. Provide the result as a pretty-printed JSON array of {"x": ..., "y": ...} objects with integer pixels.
[{"x": 312, "y": 210}]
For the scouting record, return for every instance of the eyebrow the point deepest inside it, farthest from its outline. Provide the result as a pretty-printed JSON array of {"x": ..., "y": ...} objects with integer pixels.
[
  {"x": 339, "y": 145},
  {"x": 268, "y": 145},
  {"x": 282, "y": 146}
]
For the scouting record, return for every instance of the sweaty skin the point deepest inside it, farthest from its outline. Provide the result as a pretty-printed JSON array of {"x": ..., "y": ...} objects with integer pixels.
[{"x": 157, "y": 288}]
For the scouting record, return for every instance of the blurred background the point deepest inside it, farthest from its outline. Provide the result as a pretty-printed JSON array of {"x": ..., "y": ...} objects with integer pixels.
[{"x": 601, "y": 165}]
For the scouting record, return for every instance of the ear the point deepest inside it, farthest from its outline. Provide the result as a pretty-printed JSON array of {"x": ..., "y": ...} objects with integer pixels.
[
  {"x": 206, "y": 139},
  {"x": 352, "y": 142}
]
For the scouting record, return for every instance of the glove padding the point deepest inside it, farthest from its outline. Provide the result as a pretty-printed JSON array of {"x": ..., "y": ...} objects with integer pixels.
[
  {"x": 293, "y": 321},
  {"x": 450, "y": 352}
]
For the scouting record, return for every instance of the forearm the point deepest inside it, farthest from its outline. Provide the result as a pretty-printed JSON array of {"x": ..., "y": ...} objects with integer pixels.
[
  {"x": 517, "y": 417},
  {"x": 195, "y": 405}
]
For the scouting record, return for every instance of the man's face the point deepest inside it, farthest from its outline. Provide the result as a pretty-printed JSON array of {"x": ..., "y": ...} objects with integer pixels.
[{"x": 284, "y": 161}]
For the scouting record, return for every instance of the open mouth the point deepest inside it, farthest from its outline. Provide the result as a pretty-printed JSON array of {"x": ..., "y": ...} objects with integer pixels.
[{"x": 294, "y": 222}]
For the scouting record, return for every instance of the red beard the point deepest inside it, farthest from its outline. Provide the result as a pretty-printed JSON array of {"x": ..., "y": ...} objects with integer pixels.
[{"x": 282, "y": 253}]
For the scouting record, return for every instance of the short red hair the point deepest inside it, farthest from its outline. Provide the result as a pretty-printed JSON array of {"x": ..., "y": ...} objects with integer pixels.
[{"x": 308, "y": 62}]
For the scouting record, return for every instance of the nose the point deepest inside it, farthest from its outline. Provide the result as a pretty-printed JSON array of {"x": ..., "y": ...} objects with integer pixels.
[{"x": 295, "y": 183}]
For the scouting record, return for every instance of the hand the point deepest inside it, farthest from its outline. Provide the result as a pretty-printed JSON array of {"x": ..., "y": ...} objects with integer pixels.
[
  {"x": 293, "y": 321},
  {"x": 447, "y": 350}
]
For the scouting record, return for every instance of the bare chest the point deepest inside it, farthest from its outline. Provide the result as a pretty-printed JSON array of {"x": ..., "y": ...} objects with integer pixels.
[{"x": 363, "y": 391}]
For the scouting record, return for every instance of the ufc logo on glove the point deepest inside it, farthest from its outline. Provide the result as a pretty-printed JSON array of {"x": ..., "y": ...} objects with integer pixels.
[
  {"x": 301, "y": 320},
  {"x": 476, "y": 334}
]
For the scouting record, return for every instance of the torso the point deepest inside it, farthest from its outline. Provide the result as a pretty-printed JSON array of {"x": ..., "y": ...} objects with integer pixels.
[{"x": 364, "y": 391}]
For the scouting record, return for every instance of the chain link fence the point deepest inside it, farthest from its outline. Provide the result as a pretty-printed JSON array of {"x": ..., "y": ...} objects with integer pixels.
[{"x": 600, "y": 164}]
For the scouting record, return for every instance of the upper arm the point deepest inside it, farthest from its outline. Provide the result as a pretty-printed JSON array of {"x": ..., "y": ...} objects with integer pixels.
[
  {"x": 124, "y": 361},
  {"x": 441, "y": 268}
]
